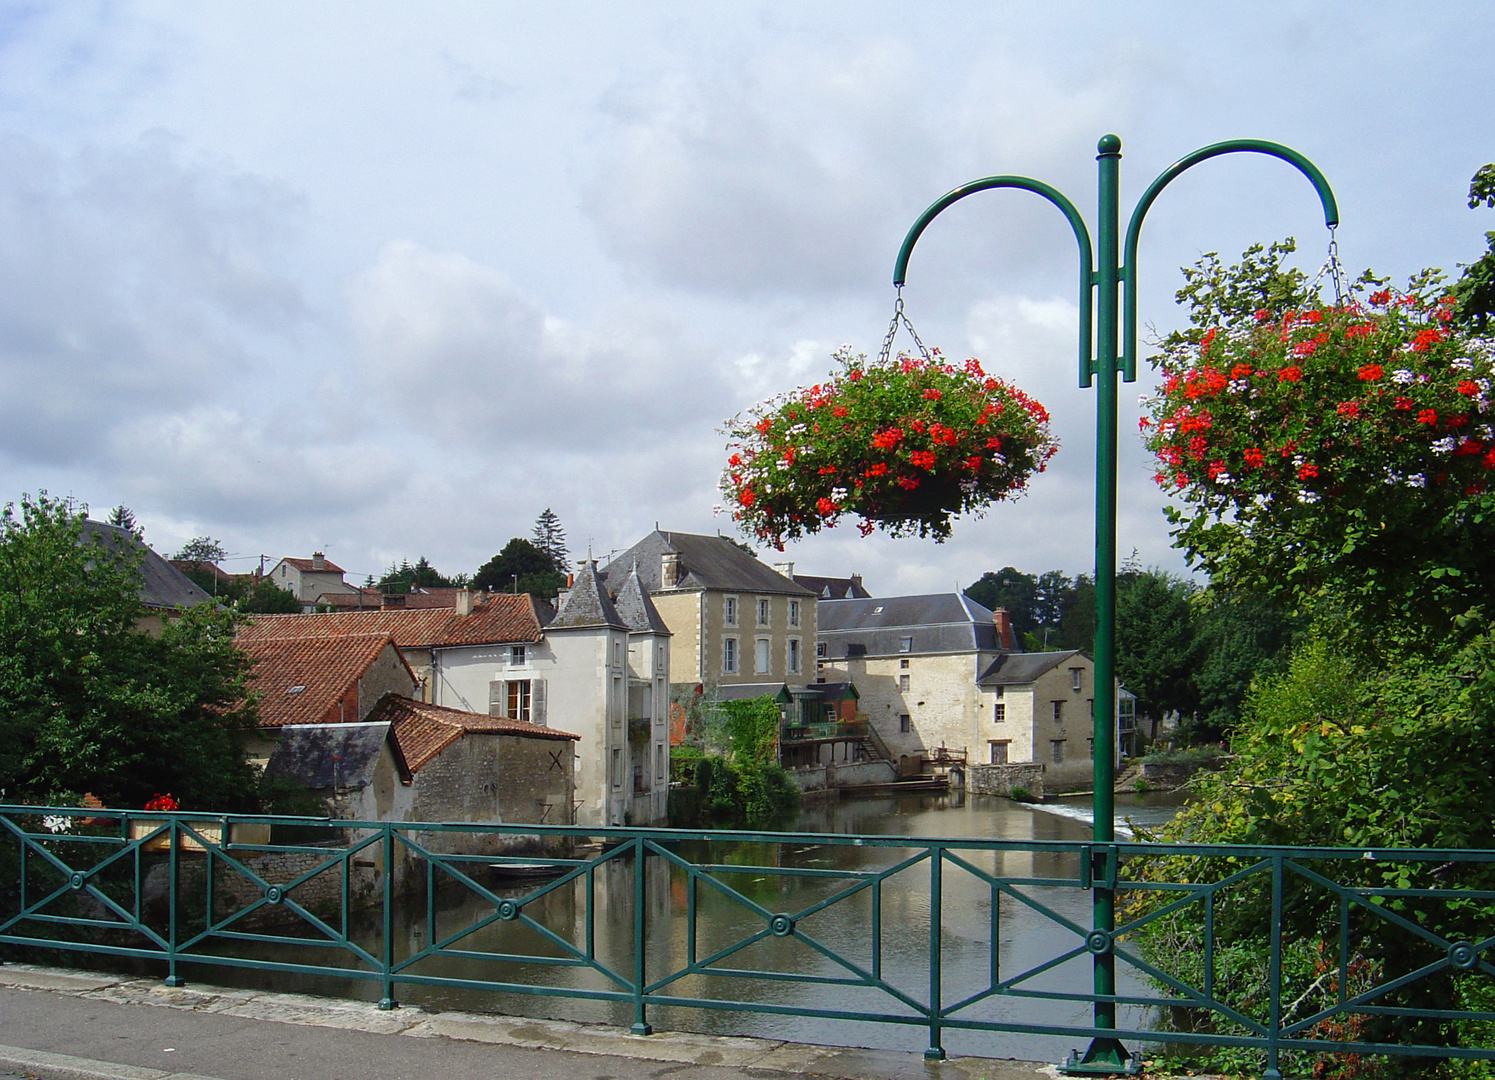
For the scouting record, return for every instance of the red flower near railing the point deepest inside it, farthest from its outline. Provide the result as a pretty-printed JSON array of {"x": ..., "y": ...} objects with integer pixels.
[{"x": 161, "y": 802}]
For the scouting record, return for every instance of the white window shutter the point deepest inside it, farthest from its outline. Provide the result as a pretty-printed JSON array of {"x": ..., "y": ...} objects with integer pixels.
[
  {"x": 537, "y": 701},
  {"x": 498, "y": 698}
]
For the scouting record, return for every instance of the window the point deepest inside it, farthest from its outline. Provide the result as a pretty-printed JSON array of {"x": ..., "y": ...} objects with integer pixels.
[
  {"x": 1058, "y": 745},
  {"x": 794, "y": 656},
  {"x": 760, "y": 656},
  {"x": 617, "y": 770},
  {"x": 729, "y": 656},
  {"x": 998, "y": 713},
  {"x": 659, "y": 760},
  {"x": 729, "y": 610},
  {"x": 998, "y": 751},
  {"x": 794, "y": 613},
  {"x": 1058, "y": 712},
  {"x": 762, "y": 611},
  {"x": 822, "y": 650},
  {"x": 617, "y": 654},
  {"x": 1076, "y": 679},
  {"x": 903, "y": 683},
  {"x": 999, "y": 693},
  {"x": 905, "y": 722},
  {"x": 518, "y": 655},
  {"x": 519, "y": 699},
  {"x": 903, "y": 664},
  {"x": 905, "y": 644}
]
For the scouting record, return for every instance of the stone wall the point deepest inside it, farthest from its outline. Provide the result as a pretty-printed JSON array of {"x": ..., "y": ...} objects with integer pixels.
[{"x": 1001, "y": 779}]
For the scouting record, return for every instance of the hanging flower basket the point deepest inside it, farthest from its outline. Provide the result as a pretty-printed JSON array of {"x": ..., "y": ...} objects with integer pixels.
[{"x": 904, "y": 444}]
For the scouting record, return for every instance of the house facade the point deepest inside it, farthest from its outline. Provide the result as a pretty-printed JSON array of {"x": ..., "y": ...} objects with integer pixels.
[
  {"x": 307, "y": 579},
  {"x": 734, "y": 620}
]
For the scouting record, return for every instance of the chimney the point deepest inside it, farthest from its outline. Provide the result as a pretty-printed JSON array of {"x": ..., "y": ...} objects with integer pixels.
[
  {"x": 464, "y": 603},
  {"x": 318, "y": 561},
  {"x": 669, "y": 569},
  {"x": 392, "y": 600},
  {"x": 785, "y": 568},
  {"x": 1006, "y": 640}
]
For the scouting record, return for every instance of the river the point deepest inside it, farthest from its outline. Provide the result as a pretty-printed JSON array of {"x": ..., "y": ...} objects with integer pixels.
[{"x": 1025, "y": 937}]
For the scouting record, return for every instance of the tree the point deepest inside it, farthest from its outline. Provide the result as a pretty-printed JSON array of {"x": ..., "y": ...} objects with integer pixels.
[
  {"x": 92, "y": 704},
  {"x": 1155, "y": 644},
  {"x": 1013, "y": 591},
  {"x": 551, "y": 539},
  {"x": 202, "y": 549},
  {"x": 264, "y": 597},
  {"x": 520, "y": 567},
  {"x": 405, "y": 577},
  {"x": 1237, "y": 638},
  {"x": 124, "y": 518},
  {"x": 1475, "y": 290}
]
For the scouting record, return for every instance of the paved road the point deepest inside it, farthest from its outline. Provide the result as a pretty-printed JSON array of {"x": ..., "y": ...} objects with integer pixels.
[{"x": 74, "y": 1026}]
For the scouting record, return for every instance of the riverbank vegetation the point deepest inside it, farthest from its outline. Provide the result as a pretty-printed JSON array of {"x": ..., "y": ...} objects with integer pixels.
[
  {"x": 727, "y": 774},
  {"x": 1336, "y": 461}
]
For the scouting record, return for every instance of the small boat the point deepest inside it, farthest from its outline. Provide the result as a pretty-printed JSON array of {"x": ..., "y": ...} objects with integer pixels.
[{"x": 526, "y": 870}]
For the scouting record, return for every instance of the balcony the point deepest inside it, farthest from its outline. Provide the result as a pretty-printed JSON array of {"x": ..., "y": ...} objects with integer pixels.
[{"x": 831, "y": 729}]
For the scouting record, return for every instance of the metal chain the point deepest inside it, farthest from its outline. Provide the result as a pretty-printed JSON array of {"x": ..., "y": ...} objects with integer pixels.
[
  {"x": 899, "y": 316},
  {"x": 1334, "y": 269}
]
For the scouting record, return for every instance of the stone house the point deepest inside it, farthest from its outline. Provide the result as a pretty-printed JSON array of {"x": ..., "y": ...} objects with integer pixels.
[
  {"x": 334, "y": 680},
  {"x": 590, "y": 667},
  {"x": 734, "y": 619},
  {"x": 307, "y": 579},
  {"x": 410, "y": 761},
  {"x": 164, "y": 589}
]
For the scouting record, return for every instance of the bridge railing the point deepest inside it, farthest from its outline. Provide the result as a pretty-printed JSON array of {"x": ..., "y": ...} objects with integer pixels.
[{"x": 1306, "y": 950}]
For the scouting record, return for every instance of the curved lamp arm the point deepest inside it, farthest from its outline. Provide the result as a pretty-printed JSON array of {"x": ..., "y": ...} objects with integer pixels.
[
  {"x": 1022, "y": 183},
  {"x": 1134, "y": 227}
]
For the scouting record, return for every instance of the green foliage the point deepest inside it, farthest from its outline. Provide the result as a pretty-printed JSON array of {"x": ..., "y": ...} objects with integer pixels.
[
  {"x": 752, "y": 729},
  {"x": 93, "y": 705},
  {"x": 420, "y": 575},
  {"x": 1013, "y": 591},
  {"x": 550, "y": 538},
  {"x": 1156, "y": 646},
  {"x": 263, "y": 597},
  {"x": 536, "y": 571},
  {"x": 743, "y": 789},
  {"x": 1475, "y": 289},
  {"x": 199, "y": 549},
  {"x": 122, "y": 517},
  {"x": 1335, "y": 456}
]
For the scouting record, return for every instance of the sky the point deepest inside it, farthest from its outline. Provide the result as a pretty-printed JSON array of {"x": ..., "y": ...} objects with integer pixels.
[{"x": 387, "y": 280}]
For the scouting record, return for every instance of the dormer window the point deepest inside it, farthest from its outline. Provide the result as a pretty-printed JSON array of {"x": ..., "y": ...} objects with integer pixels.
[
  {"x": 905, "y": 644},
  {"x": 518, "y": 654}
]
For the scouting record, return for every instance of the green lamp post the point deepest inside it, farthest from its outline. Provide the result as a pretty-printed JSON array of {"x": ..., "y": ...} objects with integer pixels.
[{"x": 1100, "y": 315}]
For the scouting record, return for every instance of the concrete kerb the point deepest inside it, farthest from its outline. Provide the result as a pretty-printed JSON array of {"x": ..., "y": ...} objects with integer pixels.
[{"x": 685, "y": 1048}]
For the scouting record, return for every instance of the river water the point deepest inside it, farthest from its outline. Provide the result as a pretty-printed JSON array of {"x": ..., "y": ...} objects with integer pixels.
[{"x": 1024, "y": 938}]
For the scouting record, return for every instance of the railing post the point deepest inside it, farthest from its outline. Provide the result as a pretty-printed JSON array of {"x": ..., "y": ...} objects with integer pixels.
[
  {"x": 936, "y": 1051},
  {"x": 172, "y": 900},
  {"x": 387, "y": 955},
  {"x": 640, "y": 1025},
  {"x": 1274, "y": 977}
]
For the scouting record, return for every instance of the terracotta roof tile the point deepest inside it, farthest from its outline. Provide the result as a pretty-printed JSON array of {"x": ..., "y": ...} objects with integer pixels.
[
  {"x": 307, "y": 566},
  {"x": 301, "y": 680},
  {"x": 501, "y": 618},
  {"x": 422, "y": 731}
]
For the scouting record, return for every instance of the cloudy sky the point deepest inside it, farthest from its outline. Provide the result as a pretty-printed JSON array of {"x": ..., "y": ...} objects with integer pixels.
[{"x": 389, "y": 279}]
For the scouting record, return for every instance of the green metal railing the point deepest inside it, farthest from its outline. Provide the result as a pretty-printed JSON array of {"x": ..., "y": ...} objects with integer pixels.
[
  {"x": 828, "y": 729},
  {"x": 694, "y": 926}
]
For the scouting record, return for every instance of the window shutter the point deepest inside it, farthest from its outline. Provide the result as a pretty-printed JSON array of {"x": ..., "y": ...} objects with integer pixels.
[
  {"x": 498, "y": 697},
  {"x": 537, "y": 701}
]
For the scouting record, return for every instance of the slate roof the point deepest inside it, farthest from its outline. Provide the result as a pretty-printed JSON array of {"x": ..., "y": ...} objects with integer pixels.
[
  {"x": 339, "y": 756},
  {"x": 937, "y": 622},
  {"x": 324, "y": 670},
  {"x": 834, "y": 588},
  {"x": 502, "y": 618},
  {"x": 422, "y": 731},
  {"x": 744, "y": 691},
  {"x": 636, "y": 609},
  {"x": 1012, "y": 669},
  {"x": 162, "y": 585},
  {"x": 706, "y": 562},
  {"x": 586, "y": 604}
]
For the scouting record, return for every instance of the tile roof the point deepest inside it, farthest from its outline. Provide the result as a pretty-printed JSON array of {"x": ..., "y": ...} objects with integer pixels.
[
  {"x": 636, "y": 609},
  {"x": 502, "y": 618},
  {"x": 300, "y": 680},
  {"x": 1013, "y": 669},
  {"x": 307, "y": 566},
  {"x": 706, "y": 562},
  {"x": 161, "y": 584},
  {"x": 422, "y": 731}
]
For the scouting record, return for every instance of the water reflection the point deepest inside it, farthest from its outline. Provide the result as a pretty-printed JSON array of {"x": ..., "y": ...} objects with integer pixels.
[{"x": 580, "y": 919}]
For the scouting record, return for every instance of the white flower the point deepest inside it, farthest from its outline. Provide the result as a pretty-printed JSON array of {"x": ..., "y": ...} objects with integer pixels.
[
  {"x": 1223, "y": 478},
  {"x": 1309, "y": 497},
  {"x": 1402, "y": 375},
  {"x": 1415, "y": 480},
  {"x": 1444, "y": 446},
  {"x": 716, "y": 510},
  {"x": 1462, "y": 365}
]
